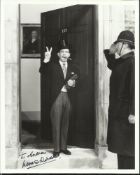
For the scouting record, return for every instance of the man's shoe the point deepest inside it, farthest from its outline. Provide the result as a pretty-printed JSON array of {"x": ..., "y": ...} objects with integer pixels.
[
  {"x": 67, "y": 152},
  {"x": 55, "y": 154}
]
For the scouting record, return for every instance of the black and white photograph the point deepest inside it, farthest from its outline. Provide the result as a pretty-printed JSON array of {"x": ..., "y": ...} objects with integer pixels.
[{"x": 69, "y": 86}]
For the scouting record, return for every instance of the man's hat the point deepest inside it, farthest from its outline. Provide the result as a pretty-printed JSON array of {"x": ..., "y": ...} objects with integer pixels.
[
  {"x": 126, "y": 37},
  {"x": 62, "y": 44}
]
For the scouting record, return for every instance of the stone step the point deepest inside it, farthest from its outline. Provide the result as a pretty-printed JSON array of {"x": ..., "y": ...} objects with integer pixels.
[{"x": 81, "y": 158}]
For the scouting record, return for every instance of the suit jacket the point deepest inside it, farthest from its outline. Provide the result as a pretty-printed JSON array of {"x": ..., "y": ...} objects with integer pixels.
[
  {"x": 121, "y": 103},
  {"x": 53, "y": 74}
]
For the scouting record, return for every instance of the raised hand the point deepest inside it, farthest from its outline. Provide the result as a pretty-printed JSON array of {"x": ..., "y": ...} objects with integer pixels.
[
  {"x": 47, "y": 55},
  {"x": 113, "y": 49}
]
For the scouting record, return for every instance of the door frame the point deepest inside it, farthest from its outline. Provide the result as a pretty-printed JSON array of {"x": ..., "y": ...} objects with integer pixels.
[{"x": 100, "y": 126}]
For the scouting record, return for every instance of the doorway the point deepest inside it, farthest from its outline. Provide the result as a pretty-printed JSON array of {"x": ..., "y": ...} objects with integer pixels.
[{"x": 80, "y": 25}]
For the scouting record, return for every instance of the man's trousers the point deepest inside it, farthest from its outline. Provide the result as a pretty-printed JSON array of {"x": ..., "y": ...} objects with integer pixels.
[{"x": 60, "y": 113}]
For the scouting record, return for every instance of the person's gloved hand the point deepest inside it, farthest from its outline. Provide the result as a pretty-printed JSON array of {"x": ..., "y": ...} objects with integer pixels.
[
  {"x": 71, "y": 83},
  {"x": 131, "y": 119},
  {"x": 113, "y": 49}
]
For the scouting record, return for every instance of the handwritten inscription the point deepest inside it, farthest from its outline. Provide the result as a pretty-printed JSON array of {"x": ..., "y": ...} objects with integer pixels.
[{"x": 34, "y": 159}]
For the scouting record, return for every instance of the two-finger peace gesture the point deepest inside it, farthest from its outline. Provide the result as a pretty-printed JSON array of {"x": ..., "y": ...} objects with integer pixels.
[{"x": 47, "y": 54}]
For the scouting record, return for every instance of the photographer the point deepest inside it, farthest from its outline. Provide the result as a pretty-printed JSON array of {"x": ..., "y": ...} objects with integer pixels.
[{"x": 121, "y": 112}]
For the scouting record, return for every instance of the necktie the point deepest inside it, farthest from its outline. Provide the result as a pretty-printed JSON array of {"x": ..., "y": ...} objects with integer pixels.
[{"x": 64, "y": 69}]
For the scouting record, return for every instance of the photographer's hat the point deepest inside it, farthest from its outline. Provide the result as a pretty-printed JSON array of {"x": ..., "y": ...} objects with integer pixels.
[{"x": 126, "y": 37}]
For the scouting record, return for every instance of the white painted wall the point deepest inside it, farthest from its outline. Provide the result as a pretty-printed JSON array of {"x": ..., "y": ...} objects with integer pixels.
[
  {"x": 30, "y": 85},
  {"x": 30, "y": 13}
]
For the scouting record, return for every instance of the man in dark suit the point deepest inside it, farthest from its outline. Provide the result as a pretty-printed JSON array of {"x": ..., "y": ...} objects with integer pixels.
[
  {"x": 121, "y": 113},
  {"x": 62, "y": 78}
]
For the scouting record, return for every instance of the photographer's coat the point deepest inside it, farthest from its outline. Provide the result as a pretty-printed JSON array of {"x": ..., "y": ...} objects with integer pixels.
[{"x": 121, "y": 103}]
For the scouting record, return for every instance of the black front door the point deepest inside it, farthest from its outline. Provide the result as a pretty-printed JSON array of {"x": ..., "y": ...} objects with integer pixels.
[{"x": 80, "y": 23}]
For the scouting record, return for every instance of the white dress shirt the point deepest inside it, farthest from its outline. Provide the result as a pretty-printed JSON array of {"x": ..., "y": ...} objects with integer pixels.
[{"x": 64, "y": 89}]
